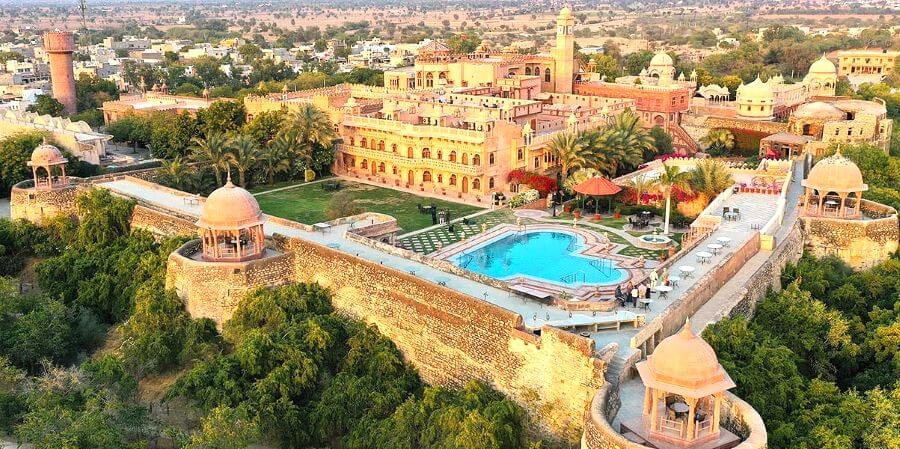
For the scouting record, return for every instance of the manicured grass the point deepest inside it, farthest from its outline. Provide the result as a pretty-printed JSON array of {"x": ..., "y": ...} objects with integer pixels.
[{"x": 308, "y": 203}]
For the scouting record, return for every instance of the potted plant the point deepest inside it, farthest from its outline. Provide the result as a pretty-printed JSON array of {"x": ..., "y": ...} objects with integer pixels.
[
  {"x": 598, "y": 217},
  {"x": 567, "y": 208},
  {"x": 618, "y": 213},
  {"x": 421, "y": 187},
  {"x": 577, "y": 214}
]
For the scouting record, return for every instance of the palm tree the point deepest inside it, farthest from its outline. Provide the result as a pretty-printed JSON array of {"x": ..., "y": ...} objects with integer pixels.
[
  {"x": 212, "y": 150},
  {"x": 670, "y": 178},
  {"x": 718, "y": 141},
  {"x": 710, "y": 177},
  {"x": 568, "y": 150},
  {"x": 641, "y": 185},
  {"x": 631, "y": 139},
  {"x": 312, "y": 130},
  {"x": 174, "y": 173},
  {"x": 600, "y": 147},
  {"x": 274, "y": 158},
  {"x": 243, "y": 155}
]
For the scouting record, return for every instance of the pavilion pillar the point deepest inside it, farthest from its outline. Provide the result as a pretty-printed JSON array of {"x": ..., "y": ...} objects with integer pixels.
[
  {"x": 648, "y": 400},
  {"x": 859, "y": 204},
  {"x": 692, "y": 411},
  {"x": 717, "y": 412},
  {"x": 654, "y": 411},
  {"x": 821, "y": 199},
  {"x": 237, "y": 243},
  {"x": 34, "y": 172},
  {"x": 843, "y": 197}
]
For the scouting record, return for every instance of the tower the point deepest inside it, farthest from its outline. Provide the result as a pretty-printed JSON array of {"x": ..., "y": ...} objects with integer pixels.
[
  {"x": 60, "y": 45},
  {"x": 564, "y": 52}
]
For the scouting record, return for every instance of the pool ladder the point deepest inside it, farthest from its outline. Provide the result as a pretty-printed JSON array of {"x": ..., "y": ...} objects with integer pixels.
[
  {"x": 602, "y": 265},
  {"x": 465, "y": 260},
  {"x": 571, "y": 278}
]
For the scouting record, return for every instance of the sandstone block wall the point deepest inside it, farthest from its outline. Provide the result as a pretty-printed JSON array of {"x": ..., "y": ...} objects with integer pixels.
[
  {"x": 860, "y": 243},
  {"x": 161, "y": 223},
  {"x": 37, "y": 205},
  {"x": 452, "y": 338},
  {"x": 214, "y": 289}
]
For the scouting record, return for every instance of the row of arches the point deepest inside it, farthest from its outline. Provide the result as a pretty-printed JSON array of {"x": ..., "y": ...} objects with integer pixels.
[
  {"x": 413, "y": 177},
  {"x": 537, "y": 72},
  {"x": 426, "y": 153}
]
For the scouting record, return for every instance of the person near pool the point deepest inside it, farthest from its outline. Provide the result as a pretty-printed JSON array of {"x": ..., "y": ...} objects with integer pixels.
[
  {"x": 642, "y": 290},
  {"x": 630, "y": 293},
  {"x": 647, "y": 292},
  {"x": 654, "y": 278},
  {"x": 619, "y": 295}
]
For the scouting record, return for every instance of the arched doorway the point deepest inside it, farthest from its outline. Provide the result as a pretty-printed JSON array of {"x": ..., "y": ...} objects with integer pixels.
[
  {"x": 410, "y": 178},
  {"x": 465, "y": 185}
]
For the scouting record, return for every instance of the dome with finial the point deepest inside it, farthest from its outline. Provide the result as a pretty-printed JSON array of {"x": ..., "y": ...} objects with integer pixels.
[
  {"x": 230, "y": 208},
  {"x": 836, "y": 173},
  {"x": 661, "y": 58},
  {"x": 565, "y": 13},
  {"x": 823, "y": 66},
  {"x": 45, "y": 155},
  {"x": 757, "y": 90},
  {"x": 685, "y": 364},
  {"x": 819, "y": 110}
]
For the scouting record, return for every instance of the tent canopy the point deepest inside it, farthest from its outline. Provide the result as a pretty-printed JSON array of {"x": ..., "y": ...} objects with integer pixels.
[{"x": 597, "y": 186}]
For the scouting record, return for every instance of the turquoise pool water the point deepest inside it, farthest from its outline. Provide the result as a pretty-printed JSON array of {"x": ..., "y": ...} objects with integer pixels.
[{"x": 544, "y": 255}]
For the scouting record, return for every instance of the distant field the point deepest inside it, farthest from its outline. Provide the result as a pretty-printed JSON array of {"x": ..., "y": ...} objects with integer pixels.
[{"x": 307, "y": 204}]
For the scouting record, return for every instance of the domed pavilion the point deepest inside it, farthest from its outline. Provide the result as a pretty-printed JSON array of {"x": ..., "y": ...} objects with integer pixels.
[
  {"x": 48, "y": 167},
  {"x": 821, "y": 78},
  {"x": 834, "y": 188},
  {"x": 231, "y": 226},
  {"x": 756, "y": 101},
  {"x": 684, "y": 385}
]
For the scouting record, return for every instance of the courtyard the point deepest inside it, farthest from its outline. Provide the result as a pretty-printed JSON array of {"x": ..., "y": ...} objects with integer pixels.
[{"x": 309, "y": 203}]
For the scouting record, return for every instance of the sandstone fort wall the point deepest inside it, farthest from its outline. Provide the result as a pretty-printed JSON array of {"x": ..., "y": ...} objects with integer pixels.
[
  {"x": 860, "y": 244},
  {"x": 38, "y": 205},
  {"x": 452, "y": 338}
]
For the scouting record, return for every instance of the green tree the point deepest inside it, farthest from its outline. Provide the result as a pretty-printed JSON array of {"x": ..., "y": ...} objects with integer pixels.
[
  {"x": 670, "y": 178},
  {"x": 46, "y": 105},
  {"x": 662, "y": 141},
  {"x": 213, "y": 151},
  {"x": 265, "y": 126},
  {"x": 170, "y": 135},
  {"x": 243, "y": 155},
  {"x": 718, "y": 141},
  {"x": 315, "y": 136},
  {"x": 275, "y": 159},
  {"x": 568, "y": 149},
  {"x": 710, "y": 177}
]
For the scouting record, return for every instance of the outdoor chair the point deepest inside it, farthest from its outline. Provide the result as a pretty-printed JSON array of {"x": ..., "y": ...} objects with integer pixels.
[
  {"x": 725, "y": 211},
  {"x": 737, "y": 213}
]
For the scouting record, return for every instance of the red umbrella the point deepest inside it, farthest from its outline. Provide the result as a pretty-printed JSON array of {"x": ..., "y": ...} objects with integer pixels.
[{"x": 598, "y": 186}]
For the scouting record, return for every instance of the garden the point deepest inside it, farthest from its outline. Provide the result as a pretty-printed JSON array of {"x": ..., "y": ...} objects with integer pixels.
[{"x": 322, "y": 201}]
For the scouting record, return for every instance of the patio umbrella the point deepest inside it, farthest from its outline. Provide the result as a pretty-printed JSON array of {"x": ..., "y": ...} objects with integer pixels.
[{"x": 598, "y": 186}]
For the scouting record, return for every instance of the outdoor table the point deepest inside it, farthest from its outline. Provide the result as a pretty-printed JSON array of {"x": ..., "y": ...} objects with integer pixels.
[
  {"x": 663, "y": 291},
  {"x": 703, "y": 256},
  {"x": 680, "y": 408},
  {"x": 644, "y": 303},
  {"x": 725, "y": 241},
  {"x": 687, "y": 271},
  {"x": 731, "y": 216},
  {"x": 321, "y": 227},
  {"x": 673, "y": 280},
  {"x": 714, "y": 248}
]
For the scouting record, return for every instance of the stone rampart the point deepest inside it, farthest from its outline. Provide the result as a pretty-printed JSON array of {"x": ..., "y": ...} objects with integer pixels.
[
  {"x": 37, "y": 205},
  {"x": 213, "y": 289},
  {"x": 160, "y": 223},
  {"x": 860, "y": 244},
  {"x": 452, "y": 338}
]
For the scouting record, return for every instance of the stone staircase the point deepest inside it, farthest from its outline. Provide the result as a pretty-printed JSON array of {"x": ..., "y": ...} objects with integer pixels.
[{"x": 620, "y": 362}]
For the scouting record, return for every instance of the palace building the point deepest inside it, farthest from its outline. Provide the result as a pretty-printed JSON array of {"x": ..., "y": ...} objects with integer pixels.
[
  {"x": 157, "y": 99},
  {"x": 438, "y": 67},
  {"x": 865, "y": 65}
]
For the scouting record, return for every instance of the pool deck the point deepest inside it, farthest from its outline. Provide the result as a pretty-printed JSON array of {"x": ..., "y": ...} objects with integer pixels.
[{"x": 534, "y": 313}]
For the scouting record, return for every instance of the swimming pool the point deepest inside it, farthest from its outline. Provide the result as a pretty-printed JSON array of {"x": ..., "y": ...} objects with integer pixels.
[{"x": 544, "y": 255}]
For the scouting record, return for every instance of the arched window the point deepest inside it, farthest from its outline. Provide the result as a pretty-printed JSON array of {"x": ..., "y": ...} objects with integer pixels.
[
  {"x": 452, "y": 157},
  {"x": 394, "y": 169},
  {"x": 426, "y": 176},
  {"x": 490, "y": 159},
  {"x": 547, "y": 75},
  {"x": 409, "y": 153},
  {"x": 380, "y": 145},
  {"x": 476, "y": 184},
  {"x": 363, "y": 143},
  {"x": 381, "y": 167},
  {"x": 372, "y": 144},
  {"x": 527, "y": 72},
  {"x": 452, "y": 180},
  {"x": 364, "y": 164},
  {"x": 440, "y": 178},
  {"x": 491, "y": 183},
  {"x": 393, "y": 148},
  {"x": 476, "y": 160},
  {"x": 465, "y": 159},
  {"x": 426, "y": 153},
  {"x": 429, "y": 80},
  {"x": 439, "y": 155},
  {"x": 352, "y": 142}
]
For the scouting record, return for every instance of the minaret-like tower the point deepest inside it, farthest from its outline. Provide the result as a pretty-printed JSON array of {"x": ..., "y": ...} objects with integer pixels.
[
  {"x": 60, "y": 45},
  {"x": 564, "y": 52}
]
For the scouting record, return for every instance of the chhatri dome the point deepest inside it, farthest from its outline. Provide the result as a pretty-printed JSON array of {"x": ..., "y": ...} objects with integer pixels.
[
  {"x": 565, "y": 12},
  {"x": 822, "y": 66},
  {"x": 834, "y": 188},
  {"x": 836, "y": 173},
  {"x": 684, "y": 388},
  {"x": 757, "y": 90},
  {"x": 49, "y": 159},
  {"x": 231, "y": 225}
]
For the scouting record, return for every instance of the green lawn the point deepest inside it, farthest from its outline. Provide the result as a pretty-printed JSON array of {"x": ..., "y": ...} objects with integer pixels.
[{"x": 307, "y": 204}]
